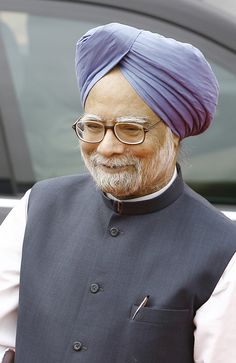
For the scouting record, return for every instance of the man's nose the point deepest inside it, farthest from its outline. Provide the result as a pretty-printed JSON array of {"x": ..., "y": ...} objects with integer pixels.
[{"x": 110, "y": 145}]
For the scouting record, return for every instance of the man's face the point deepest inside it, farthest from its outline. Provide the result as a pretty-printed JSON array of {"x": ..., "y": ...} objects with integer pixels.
[{"x": 127, "y": 170}]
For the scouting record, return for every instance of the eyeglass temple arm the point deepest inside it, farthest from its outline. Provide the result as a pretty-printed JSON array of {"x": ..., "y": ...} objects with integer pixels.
[{"x": 146, "y": 129}]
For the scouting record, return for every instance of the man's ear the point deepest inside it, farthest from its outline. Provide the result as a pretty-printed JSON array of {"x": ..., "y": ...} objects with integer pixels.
[{"x": 176, "y": 140}]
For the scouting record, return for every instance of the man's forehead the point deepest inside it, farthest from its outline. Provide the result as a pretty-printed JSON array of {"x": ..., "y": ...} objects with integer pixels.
[
  {"x": 113, "y": 96},
  {"x": 113, "y": 85}
]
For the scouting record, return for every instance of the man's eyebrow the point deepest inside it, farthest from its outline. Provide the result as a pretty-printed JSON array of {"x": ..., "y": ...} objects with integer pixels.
[
  {"x": 136, "y": 119},
  {"x": 91, "y": 116},
  {"x": 130, "y": 118}
]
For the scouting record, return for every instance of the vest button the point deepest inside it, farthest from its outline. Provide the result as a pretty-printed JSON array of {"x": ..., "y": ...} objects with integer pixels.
[
  {"x": 94, "y": 287},
  {"x": 77, "y": 346},
  {"x": 114, "y": 231}
]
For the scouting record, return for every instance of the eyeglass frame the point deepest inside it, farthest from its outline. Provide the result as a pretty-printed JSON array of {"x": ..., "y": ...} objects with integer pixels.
[{"x": 145, "y": 129}]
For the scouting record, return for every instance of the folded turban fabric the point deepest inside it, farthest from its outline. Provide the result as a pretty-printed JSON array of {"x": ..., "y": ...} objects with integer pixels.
[{"x": 173, "y": 78}]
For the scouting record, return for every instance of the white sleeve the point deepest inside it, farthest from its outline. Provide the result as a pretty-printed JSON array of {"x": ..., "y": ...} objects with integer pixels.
[
  {"x": 215, "y": 334},
  {"x": 11, "y": 241}
]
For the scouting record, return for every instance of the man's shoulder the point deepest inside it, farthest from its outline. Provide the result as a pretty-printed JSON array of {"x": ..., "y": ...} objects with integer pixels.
[
  {"x": 66, "y": 181},
  {"x": 204, "y": 211},
  {"x": 61, "y": 187},
  {"x": 60, "y": 198}
]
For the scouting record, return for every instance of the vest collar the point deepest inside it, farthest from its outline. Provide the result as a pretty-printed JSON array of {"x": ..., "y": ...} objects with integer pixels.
[{"x": 149, "y": 205}]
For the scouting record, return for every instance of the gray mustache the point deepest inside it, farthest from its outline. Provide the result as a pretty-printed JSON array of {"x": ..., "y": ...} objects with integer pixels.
[{"x": 114, "y": 162}]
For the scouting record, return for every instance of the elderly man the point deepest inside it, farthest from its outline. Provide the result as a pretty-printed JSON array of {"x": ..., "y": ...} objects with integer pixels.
[{"x": 137, "y": 268}]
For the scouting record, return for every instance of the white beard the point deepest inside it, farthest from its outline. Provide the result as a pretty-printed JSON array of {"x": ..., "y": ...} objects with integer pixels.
[
  {"x": 143, "y": 177},
  {"x": 120, "y": 183}
]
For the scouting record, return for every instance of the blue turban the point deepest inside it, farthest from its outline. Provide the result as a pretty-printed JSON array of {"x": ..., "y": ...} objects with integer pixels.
[{"x": 173, "y": 78}]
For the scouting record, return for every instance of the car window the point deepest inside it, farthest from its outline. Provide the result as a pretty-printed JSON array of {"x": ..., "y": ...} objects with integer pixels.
[
  {"x": 226, "y": 6},
  {"x": 39, "y": 49},
  {"x": 40, "y": 52},
  {"x": 210, "y": 159}
]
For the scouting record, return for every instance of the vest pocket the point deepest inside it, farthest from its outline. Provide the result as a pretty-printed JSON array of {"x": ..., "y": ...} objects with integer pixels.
[
  {"x": 155, "y": 315},
  {"x": 158, "y": 336}
]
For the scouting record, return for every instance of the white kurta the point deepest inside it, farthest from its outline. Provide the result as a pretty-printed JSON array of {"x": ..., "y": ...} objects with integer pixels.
[{"x": 215, "y": 334}]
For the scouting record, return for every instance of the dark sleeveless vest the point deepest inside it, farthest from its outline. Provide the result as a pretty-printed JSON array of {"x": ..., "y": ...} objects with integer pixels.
[{"x": 88, "y": 262}]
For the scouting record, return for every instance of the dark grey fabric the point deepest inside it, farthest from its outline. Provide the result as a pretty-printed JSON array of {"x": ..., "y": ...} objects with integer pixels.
[{"x": 85, "y": 269}]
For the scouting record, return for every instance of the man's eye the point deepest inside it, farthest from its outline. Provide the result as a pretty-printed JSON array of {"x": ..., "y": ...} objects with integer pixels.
[
  {"x": 90, "y": 126},
  {"x": 130, "y": 128}
]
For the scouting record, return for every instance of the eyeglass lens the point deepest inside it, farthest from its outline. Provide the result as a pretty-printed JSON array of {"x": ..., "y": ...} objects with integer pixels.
[{"x": 92, "y": 131}]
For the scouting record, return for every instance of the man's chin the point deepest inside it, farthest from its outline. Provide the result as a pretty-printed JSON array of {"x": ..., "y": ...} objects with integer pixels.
[
  {"x": 119, "y": 181},
  {"x": 115, "y": 169},
  {"x": 118, "y": 190}
]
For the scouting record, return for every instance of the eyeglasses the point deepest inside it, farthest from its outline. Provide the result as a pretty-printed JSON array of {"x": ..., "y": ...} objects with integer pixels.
[{"x": 93, "y": 132}]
